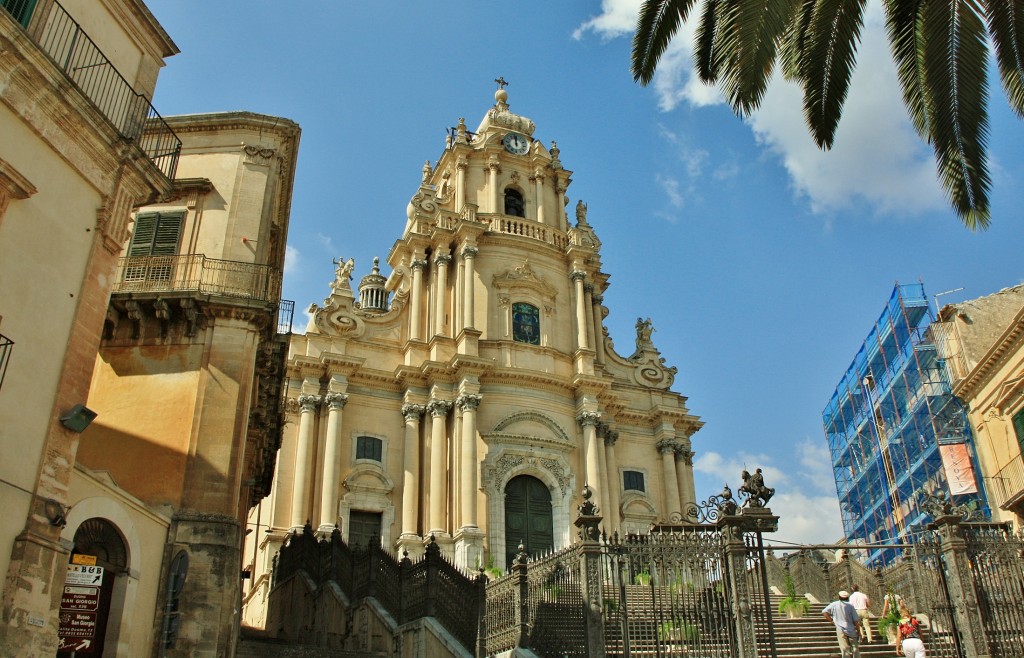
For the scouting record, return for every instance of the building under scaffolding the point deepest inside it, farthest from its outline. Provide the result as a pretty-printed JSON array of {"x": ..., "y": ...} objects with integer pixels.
[{"x": 895, "y": 431}]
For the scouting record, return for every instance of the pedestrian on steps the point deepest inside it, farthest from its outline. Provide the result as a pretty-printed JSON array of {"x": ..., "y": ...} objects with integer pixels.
[
  {"x": 861, "y": 602},
  {"x": 908, "y": 642},
  {"x": 844, "y": 616}
]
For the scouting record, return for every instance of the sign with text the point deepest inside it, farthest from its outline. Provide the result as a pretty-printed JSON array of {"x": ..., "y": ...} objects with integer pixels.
[
  {"x": 80, "y": 597},
  {"x": 959, "y": 471},
  {"x": 81, "y": 558},
  {"x": 84, "y": 574}
]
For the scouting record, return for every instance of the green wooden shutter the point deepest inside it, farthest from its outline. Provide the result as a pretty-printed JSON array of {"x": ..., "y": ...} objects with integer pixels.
[
  {"x": 21, "y": 10},
  {"x": 154, "y": 238}
]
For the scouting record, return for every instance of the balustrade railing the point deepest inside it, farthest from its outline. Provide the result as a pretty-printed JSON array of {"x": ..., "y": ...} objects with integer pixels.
[
  {"x": 1008, "y": 482},
  {"x": 197, "y": 273},
  {"x": 131, "y": 113}
]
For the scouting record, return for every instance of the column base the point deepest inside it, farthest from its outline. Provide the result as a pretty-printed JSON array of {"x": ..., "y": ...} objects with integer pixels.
[
  {"x": 326, "y": 530},
  {"x": 444, "y": 542},
  {"x": 469, "y": 548},
  {"x": 410, "y": 544}
]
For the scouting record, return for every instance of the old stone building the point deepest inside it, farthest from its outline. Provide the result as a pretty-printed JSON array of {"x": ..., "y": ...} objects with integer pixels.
[
  {"x": 187, "y": 388},
  {"x": 469, "y": 394},
  {"x": 74, "y": 161}
]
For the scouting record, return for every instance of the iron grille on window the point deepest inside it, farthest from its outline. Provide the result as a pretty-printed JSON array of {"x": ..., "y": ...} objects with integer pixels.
[
  {"x": 368, "y": 447},
  {"x": 633, "y": 481}
]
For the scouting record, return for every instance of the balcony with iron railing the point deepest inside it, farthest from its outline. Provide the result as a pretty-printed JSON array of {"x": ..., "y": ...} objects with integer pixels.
[
  {"x": 1006, "y": 487},
  {"x": 198, "y": 274},
  {"x": 81, "y": 60}
]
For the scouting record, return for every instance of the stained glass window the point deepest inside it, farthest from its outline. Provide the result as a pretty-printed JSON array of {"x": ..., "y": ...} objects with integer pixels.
[{"x": 525, "y": 323}]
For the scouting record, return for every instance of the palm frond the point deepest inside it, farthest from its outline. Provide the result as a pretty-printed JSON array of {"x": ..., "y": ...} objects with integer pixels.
[
  {"x": 827, "y": 65},
  {"x": 1006, "y": 25},
  {"x": 794, "y": 39},
  {"x": 955, "y": 60},
  {"x": 902, "y": 24},
  {"x": 705, "y": 58},
  {"x": 658, "y": 22},
  {"x": 751, "y": 31}
]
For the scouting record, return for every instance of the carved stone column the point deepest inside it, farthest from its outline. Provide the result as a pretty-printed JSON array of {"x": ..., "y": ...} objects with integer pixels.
[
  {"x": 612, "y": 514},
  {"x": 411, "y": 469},
  {"x": 308, "y": 405},
  {"x": 492, "y": 170},
  {"x": 332, "y": 453},
  {"x": 581, "y": 311},
  {"x": 440, "y": 310},
  {"x": 588, "y": 420},
  {"x": 588, "y": 304},
  {"x": 438, "y": 465},
  {"x": 468, "y": 308},
  {"x": 667, "y": 448},
  {"x": 598, "y": 324},
  {"x": 460, "y": 183},
  {"x": 468, "y": 405},
  {"x": 416, "y": 312},
  {"x": 684, "y": 475},
  {"x": 603, "y": 500},
  {"x": 538, "y": 180}
]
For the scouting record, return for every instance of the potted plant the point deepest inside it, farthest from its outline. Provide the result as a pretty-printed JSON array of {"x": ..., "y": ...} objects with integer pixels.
[
  {"x": 888, "y": 624},
  {"x": 791, "y": 605},
  {"x": 492, "y": 571},
  {"x": 678, "y": 633},
  {"x": 643, "y": 578}
]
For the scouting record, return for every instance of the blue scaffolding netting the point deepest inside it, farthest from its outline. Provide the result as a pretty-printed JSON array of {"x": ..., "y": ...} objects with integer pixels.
[{"x": 895, "y": 432}]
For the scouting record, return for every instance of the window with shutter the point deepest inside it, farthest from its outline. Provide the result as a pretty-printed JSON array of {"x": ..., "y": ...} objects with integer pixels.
[
  {"x": 21, "y": 10},
  {"x": 153, "y": 246}
]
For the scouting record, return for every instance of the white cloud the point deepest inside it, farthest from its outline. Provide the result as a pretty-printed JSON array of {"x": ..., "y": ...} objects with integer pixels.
[
  {"x": 671, "y": 187},
  {"x": 877, "y": 158},
  {"x": 327, "y": 243},
  {"x": 292, "y": 259},
  {"x": 805, "y": 499}
]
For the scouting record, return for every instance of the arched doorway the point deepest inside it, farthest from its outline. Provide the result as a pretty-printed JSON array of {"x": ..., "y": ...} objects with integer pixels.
[
  {"x": 96, "y": 539},
  {"x": 528, "y": 517}
]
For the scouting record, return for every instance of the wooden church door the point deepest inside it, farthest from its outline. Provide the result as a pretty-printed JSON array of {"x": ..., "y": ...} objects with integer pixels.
[{"x": 528, "y": 517}]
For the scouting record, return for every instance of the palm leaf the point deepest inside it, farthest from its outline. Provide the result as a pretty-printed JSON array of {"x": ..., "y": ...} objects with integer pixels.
[
  {"x": 827, "y": 64},
  {"x": 705, "y": 54},
  {"x": 902, "y": 24},
  {"x": 751, "y": 31},
  {"x": 794, "y": 39},
  {"x": 956, "y": 89},
  {"x": 1006, "y": 25},
  {"x": 658, "y": 22}
]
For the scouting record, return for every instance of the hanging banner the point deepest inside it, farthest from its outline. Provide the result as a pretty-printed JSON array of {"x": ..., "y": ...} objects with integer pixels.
[{"x": 959, "y": 471}]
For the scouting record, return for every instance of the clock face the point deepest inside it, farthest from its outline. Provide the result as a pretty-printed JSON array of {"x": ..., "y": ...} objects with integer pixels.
[{"x": 516, "y": 143}]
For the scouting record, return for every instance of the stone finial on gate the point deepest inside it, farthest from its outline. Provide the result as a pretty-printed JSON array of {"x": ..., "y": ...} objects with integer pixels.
[{"x": 589, "y": 520}]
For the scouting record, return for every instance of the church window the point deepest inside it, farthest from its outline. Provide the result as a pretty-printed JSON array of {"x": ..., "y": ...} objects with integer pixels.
[
  {"x": 633, "y": 481},
  {"x": 514, "y": 204},
  {"x": 525, "y": 323},
  {"x": 156, "y": 235},
  {"x": 368, "y": 447}
]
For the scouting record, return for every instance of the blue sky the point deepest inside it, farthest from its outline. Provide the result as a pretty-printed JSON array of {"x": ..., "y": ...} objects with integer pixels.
[{"x": 761, "y": 261}]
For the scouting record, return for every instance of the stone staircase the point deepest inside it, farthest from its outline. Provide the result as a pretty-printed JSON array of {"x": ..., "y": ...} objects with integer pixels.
[
  {"x": 253, "y": 643},
  {"x": 813, "y": 636}
]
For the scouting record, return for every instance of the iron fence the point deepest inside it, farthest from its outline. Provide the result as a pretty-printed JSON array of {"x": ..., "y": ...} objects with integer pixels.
[
  {"x": 131, "y": 113},
  {"x": 995, "y": 556},
  {"x": 197, "y": 273}
]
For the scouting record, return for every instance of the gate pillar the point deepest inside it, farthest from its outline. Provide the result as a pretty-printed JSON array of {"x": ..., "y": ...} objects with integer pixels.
[
  {"x": 734, "y": 526},
  {"x": 960, "y": 585},
  {"x": 591, "y": 574}
]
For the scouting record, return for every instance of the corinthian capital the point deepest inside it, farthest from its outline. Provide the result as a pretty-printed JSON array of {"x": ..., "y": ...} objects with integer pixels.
[
  {"x": 309, "y": 402},
  {"x": 411, "y": 411},
  {"x": 438, "y": 408},
  {"x": 335, "y": 400},
  {"x": 578, "y": 275},
  {"x": 585, "y": 418},
  {"x": 610, "y": 437},
  {"x": 468, "y": 402},
  {"x": 666, "y": 446},
  {"x": 469, "y": 251},
  {"x": 442, "y": 259}
]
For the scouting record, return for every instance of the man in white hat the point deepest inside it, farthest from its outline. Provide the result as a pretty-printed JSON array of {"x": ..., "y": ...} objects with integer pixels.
[{"x": 844, "y": 616}]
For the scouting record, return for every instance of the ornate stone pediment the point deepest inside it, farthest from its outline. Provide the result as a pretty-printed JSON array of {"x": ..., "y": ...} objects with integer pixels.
[
  {"x": 366, "y": 478},
  {"x": 523, "y": 277}
]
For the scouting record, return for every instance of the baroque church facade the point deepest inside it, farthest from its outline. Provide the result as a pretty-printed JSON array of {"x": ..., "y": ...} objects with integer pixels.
[{"x": 470, "y": 395}]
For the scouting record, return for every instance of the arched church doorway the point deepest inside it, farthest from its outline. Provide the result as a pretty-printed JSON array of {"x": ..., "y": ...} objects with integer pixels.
[
  {"x": 528, "y": 517},
  {"x": 88, "y": 596}
]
